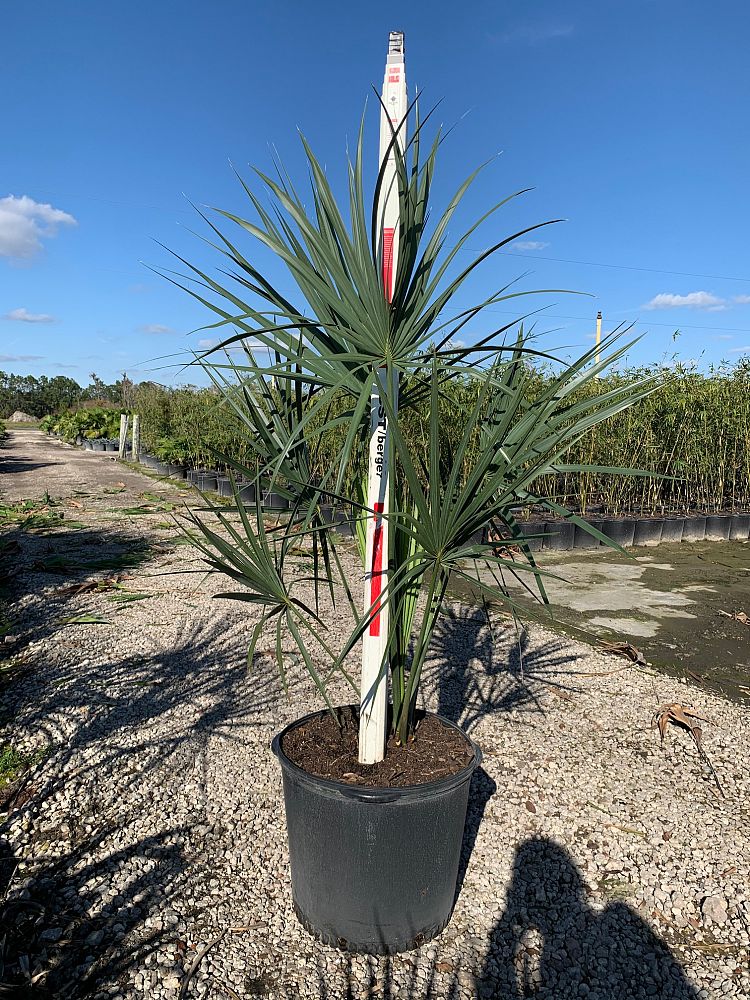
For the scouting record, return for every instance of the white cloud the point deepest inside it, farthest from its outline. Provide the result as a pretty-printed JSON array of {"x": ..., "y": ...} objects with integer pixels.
[
  {"x": 206, "y": 344},
  {"x": 742, "y": 300},
  {"x": 724, "y": 336},
  {"x": 740, "y": 350},
  {"x": 24, "y": 316},
  {"x": 24, "y": 223},
  {"x": 529, "y": 245},
  {"x": 20, "y": 357},
  {"x": 534, "y": 33},
  {"x": 693, "y": 300},
  {"x": 156, "y": 328}
]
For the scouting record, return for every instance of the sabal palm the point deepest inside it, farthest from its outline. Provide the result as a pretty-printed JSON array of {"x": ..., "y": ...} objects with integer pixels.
[{"x": 328, "y": 348}]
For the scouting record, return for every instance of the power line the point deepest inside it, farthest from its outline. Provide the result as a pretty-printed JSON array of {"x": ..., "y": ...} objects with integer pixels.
[
  {"x": 619, "y": 267},
  {"x": 588, "y": 319}
]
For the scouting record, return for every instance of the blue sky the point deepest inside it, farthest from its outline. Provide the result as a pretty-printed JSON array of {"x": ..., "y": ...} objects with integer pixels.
[{"x": 629, "y": 120}]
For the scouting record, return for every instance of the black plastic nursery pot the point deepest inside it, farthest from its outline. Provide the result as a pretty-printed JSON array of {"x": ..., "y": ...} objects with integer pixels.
[
  {"x": 740, "y": 527},
  {"x": 559, "y": 535},
  {"x": 88, "y": 445},
  {"x": 246, "y": 492},
  {"x": 535, "y": 529},
  {"x": 620, "y": 529},
  {"x": 694, "y": 528},
  {"x": 111, "y": 445},
  {"x": 374, "y": 870},
  {"x": 224, "y": 486},
  {"x": 99, "y": 445},
  {"x": 648, "y": 531},
  {"x": 673, "y": 529},
  {"x": 175, "y": 471},
  {"x": 274, "y": 501},
  {"x": 206, "y": 482},
  {"x": 718, "y": 527},
  {"x": 582, "y": 539}
]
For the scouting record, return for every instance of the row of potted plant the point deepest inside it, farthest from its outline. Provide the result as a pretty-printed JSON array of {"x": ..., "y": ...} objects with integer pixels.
[
  {"x": 79, "y": 426},
  {"x": 561, "y": 535}
]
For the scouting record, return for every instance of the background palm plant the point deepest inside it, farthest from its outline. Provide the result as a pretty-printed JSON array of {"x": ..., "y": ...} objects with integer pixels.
[{"x": 323, "y": 354}]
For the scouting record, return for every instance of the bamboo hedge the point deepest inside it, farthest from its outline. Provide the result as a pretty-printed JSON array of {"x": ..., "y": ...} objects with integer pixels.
[{"x": 693, "y": 432}]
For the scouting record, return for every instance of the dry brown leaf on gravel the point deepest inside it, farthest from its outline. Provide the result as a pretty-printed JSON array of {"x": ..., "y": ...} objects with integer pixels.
[
  {"x": 626, "y": 649},
  {"x": 738, "y": 616},
  {"x": 86, "y": 586},
  {"x": 688, "y": 718}
]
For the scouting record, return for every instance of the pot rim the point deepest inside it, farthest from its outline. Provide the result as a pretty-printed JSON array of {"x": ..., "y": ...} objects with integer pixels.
[{"x": 377, "y": 793}]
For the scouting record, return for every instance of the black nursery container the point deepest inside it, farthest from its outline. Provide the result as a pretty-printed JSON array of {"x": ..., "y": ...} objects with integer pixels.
[
  {"x": 740, "y": 527},
  {"x": 694, "y": 528},
  {"x": 224, "y": 486},
  {"x": 582, "y": 539},
  {"x": 559, "y": 535},
  {"x": 534, "y": 531},
  {"x": 648, "y": 531},
  {"x": 619, "y": 529},
  {"x": 673, "y": 529},
  {"x": 374, "y": 870},
  {"x": 274, "y": 501},
  {"x": 99, "y": 445},
  {"x": 718, "y": 527}
]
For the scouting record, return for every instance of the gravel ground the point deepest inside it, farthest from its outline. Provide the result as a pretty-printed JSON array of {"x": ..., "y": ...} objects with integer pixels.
[{"x": 597, "y": 863}]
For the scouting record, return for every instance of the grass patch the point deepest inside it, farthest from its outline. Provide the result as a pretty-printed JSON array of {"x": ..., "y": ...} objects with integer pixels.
[{"x": 13, "y": 763}]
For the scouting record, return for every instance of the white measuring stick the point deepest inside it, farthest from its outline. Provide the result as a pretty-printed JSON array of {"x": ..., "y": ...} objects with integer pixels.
[{"x": 374, "y": 689}]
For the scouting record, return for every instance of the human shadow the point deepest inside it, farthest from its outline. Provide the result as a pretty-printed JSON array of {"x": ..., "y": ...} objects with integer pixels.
[
  {"x": 550, "y": 942},
  {"x": 478, "y": 672}
]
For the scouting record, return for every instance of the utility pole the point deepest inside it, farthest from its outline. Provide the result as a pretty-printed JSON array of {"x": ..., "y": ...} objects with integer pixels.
[
  {"x": 598, "y": 334},
  {"x": 374, "y": 690}
]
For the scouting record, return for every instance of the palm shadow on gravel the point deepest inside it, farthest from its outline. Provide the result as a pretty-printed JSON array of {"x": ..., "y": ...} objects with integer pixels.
[
  {"x": 132, "y": 722},
  {"x": 474, "y": 681}
]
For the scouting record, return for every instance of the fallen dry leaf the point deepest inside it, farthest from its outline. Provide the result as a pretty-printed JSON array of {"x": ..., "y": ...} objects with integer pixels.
[
  {"x": 530, "y": 806},
  {"x": 738, "y": 616},
  {"x": 688, "y": 718},
  {"x": 626, "y": 649}
]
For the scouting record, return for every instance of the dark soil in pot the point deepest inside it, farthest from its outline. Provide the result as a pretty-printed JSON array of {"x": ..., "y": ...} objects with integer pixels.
[
  {"x": 717, "y": 527},
  {"x": 740, "y": 527},
  {"x": 648, "y": 531},
  {"x": 328, "y": 748},
  {"x": 619, "y": 529}
]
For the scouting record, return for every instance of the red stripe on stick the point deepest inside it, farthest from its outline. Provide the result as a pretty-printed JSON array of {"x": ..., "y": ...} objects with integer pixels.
[
  {"x": 388, "y": 263},
  {"x": 376, "y": 578}
]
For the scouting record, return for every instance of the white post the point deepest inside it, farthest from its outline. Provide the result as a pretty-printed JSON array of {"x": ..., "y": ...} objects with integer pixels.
[
  {"x": 136, "y": 437},
  {"x": 124, "y": 421},
  {"x": 374, "y": 691},
  {"x": 598, "y": 335}
]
